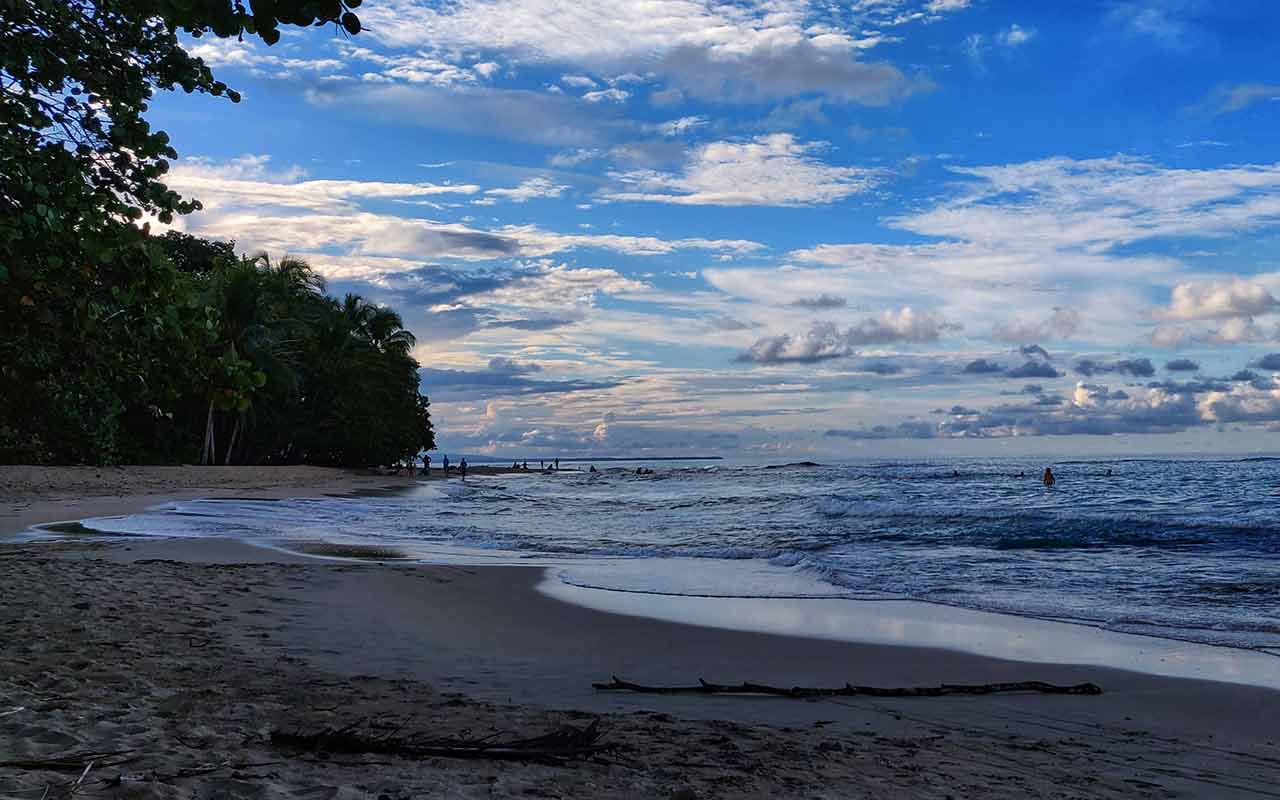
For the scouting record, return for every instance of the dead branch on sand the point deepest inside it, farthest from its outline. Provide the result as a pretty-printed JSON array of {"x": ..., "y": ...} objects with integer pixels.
[
  {"x": 71, "y": 762},
  {"x": 564, "y": 744},
  {"x": 849, "y": 690}
]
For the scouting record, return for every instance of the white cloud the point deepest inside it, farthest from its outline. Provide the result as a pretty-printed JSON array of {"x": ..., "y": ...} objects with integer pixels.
[
  {"x": 530, "y": 189},
  {"x": 578, "y": 81},
  {"x": 679, "y": 127},
  {"x": 824, "y": 340},
  {"x": 1217, "y": 300},
  {"x": 557, "y": 287},
  {"x": 1015, "y": 35},
  {"x": 1229, "y": 97},
  {"x": 254, "y": 58},
  {"x": 284, "y": 212},
  {"x": 1099, "y": 204},
  {"x": 773, "y": 170},
  {"x": 737, "y": 51},
  {"x": 611, "y": 95},
  {"x": 248, "y": 181},
  {"x": 1243, "y": 403}
]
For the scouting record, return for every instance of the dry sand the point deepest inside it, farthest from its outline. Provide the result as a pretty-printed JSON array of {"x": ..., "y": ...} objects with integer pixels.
[{"x": 188, "y": 653}]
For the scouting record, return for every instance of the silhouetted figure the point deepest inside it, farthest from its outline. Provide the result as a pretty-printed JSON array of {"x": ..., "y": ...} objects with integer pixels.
[
  {"x": 557, "y": 463},
  {"x": 1109, "y": 473},
  {"x": 593, "y": 469},
  {"x": 446, "y": 465},
  {"x": 426, "y": 465},
  {"x": 955, "y": 473},
  {"x": 462, "y": 467},
  {"x": 542, "y": 465},
  {"x": 1049, "y": 480},
  {"x": 1022, "y": 474}
]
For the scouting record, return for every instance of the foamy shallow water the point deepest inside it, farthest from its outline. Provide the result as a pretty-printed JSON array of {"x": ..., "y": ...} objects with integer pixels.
[{"x": 1177, "y": 549}]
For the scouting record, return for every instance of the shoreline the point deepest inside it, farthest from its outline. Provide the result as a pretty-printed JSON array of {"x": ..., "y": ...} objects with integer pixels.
[
  {"x": 32, "y": 495},
  {"x": 261, "y": 633},
  {"x": 1027, "y": 637}
]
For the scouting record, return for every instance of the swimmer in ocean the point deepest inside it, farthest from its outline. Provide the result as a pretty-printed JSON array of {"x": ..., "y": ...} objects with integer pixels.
[{"x": 1048, "y": 477}]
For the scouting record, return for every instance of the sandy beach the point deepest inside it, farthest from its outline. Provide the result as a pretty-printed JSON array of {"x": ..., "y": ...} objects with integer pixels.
[{"x": 169, "y": 663}]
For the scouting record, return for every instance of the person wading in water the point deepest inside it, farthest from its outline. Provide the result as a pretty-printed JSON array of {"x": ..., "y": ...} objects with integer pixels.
[{"x": 1048, "y": 477}]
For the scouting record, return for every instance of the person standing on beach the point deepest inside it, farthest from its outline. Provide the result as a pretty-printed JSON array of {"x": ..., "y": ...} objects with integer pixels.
[
  {"x": 446, "y": 465},
  {"x": 557, "y": 463},
  {"x": 1049, "y": 480},
  {"x": 462, "y": 468},
  {"x": 426, "y": 464}
]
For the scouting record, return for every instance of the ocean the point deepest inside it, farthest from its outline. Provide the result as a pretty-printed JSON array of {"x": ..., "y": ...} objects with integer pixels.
[{"x": 1179, "y": 549}]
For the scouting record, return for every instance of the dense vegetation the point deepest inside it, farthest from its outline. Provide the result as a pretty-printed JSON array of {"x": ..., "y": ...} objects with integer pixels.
[
  {"x": 119, "y": 346},
  {"x": 186, "y": 351}
]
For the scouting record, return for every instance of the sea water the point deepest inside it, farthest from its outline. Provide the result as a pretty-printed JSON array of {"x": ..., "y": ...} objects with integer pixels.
[{"x": 1172, "y": 548}]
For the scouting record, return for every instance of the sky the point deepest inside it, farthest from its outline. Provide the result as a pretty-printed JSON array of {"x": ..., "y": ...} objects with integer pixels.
[{"x": 775, "y": 229}]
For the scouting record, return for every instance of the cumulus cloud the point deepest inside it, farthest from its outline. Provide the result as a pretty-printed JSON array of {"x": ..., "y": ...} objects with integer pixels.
[
  {"x": 1033, "y": 369},
  {"x": 771, "y": 170},
  {"x": 821, "y": 302},
  {"x": 1237, "y": 330},
  {"x": 1182, "y": 365},
  {"x": 1217, "y": 300},
  {"x": 508, "y": 366},
  {"x": 982, "y": 366},
  {"x": 1271, "y": 361},
  {"x": 1034, "y": 351},
  {"x": 911, "y": 429},
  {"x": 825, "y": 340},
  {"x": 1137, "y": 367},
  {"x": 1243, "y": 402}
]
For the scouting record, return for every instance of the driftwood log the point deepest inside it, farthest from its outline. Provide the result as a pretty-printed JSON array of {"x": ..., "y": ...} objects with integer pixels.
[
  {"x": 849, "y": 690},
  {"x": 566, "y": 743}
]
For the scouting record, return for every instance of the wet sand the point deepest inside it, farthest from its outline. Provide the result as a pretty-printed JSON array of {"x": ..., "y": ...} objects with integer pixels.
[{"x": 187, "y": 653}]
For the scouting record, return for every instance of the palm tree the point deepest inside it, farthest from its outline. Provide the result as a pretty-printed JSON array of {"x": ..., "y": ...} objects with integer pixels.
[
  {"x": 265, "y": 310},
  {"x": 378, "y": 325},
  {"x": 388, "y": 334}
]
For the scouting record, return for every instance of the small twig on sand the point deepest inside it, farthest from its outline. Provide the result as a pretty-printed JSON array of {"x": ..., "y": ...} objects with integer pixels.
[
  {"x": 849, "y": 690},
  {"x": 75, "y": 787}
]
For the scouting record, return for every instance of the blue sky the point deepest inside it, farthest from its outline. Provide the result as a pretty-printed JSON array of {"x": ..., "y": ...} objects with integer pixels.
[{"x": 775, "y": 228}]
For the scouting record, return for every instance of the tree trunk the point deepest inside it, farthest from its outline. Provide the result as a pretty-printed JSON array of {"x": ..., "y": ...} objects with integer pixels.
[
  {"x": 235, "y": 436},
  {"x": 209, "y": 455}
]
